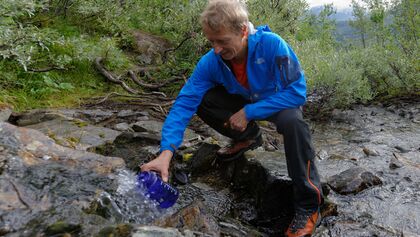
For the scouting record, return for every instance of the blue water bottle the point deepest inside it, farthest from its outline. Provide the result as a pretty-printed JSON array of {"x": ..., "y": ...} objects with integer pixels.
[{"x": 156, "y": 189}]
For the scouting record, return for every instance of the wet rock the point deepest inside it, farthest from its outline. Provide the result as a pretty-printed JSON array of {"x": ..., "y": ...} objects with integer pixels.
[
  {"x": 135, "y": 148},
  {"x": 122, "y": 230},
  {"x": 395, "y": 163},
  {"x": 402, "y": 149},
  {"x": 204, "y": 158},
  {"x": 409, "y": 234},
  {"x": 336, "y": 156},
  {"x": 322, "y": 154},
  {"x": 75, "y": 133},
  {"x": 61, "y": 227},
  {"x": 138, "y": 127},
  {"x": 193, "y": 217},
  {"x": 353, "y": 228},
  {"x": 370, "y": 152},
  {"x": 232, "y": 227},
  {"x": 264, "y": 176},
  {"x": 359, "y": 140},
  {"x": 353, "y": 180},
  {"x": 405, "y": 161},
  {"x": 329, "y": 208},
  {"x": 35, "y": 192},
  {"x": 152, "y": 231}
]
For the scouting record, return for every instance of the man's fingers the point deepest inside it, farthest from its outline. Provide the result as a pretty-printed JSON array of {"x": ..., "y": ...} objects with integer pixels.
[{"x": 165, "y": 176}]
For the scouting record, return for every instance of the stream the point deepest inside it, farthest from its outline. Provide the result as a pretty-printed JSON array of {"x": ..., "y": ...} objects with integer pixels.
[{"x": 72, "y": 172}]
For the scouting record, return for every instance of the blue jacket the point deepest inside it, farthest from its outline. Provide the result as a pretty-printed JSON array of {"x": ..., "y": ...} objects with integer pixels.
[{"x": 275, "y": 79}]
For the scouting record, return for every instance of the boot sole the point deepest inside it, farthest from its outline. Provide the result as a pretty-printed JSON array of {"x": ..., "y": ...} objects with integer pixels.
[{"x": 240, "y": 153}]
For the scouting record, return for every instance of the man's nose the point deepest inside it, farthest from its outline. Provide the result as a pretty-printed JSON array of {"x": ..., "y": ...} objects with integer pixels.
[{"x": 217, "y": 49}]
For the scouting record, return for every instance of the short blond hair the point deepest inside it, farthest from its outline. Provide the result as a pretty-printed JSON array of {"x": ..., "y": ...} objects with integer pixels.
[{"x": 228, "y": 14}]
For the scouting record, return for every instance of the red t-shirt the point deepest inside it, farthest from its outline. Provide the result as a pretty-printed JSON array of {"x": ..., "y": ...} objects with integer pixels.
[{"x": 239, "y": 70}]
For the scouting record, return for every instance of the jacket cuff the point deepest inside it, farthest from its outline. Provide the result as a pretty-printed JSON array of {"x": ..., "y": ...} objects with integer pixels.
[
  {"x": 170, "y": 148},
  {"x": 249, "y": 112}
]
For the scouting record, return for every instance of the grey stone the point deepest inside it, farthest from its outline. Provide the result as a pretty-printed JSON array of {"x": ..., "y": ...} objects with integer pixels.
[
  {"x": 95, "y": 115},
  {"x": 38, "y": 116},
  {"x": 153, "y": 231},
  {"x": 402, "y": 149},
  {"x": 76, "y": 133},
  {"x": 370, "y": 151},
  {"x": 353, "y": 180},
  {"x": 192, "y": 217},
  {"x": 123, "y": 127},
  {"x": 130, "y": 113},
  {"x": 204, "y": 158},
  {"x": 395, "y": 163}
]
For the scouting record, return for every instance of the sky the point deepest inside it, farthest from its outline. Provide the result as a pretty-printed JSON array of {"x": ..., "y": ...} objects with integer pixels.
[{"x": 339, "y": 4}]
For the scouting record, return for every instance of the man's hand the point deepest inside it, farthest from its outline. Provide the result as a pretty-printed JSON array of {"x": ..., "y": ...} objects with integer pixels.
[
  {"x": 160, "y": 164},
  {"x": 238, "y": 121}
]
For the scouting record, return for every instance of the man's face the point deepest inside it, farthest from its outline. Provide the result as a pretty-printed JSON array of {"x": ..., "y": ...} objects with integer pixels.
[{"x": 229, "y": 44}]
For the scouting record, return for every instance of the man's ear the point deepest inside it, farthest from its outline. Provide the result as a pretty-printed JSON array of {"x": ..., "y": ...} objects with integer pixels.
[{"x": 244, "y": 30}]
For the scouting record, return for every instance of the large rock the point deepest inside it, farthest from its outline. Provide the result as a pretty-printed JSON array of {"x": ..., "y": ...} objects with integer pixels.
[
  {"x": 34, "y": 148},
  {"x": 76, "y": 133},
  {"x": 264, "y": 175},
  {"x": 353, "y": 180},
  {"x": 150, "y": 48},
  {"x": 193, "y": 217},
  {"x": 42, "y": 183}
]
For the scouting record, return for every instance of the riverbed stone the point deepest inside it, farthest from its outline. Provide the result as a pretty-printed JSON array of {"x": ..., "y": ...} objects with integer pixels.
[
  {"x": 193, "y": 217},
  {"x": 36, "y": 192},
  {"x": 395, "y": 163},
  {"x": 135, "y": 148},
  {"x": 264, "y": 176},
  {"x": 75, "y": 133},
  {"x": 203, "y": 158},
  {"x": 353, "y": 180},
  {"x": 33, "y": 146},
  {"x": 370, "y": 151},
  {"x": 152, "y": 231}
]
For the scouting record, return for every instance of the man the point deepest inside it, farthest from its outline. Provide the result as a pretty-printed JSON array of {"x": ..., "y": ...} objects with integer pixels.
[{"x": 250, "y": 74}]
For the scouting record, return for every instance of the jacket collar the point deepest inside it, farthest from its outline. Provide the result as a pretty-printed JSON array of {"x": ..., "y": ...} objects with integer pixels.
[{"x": 254, "y": 36}]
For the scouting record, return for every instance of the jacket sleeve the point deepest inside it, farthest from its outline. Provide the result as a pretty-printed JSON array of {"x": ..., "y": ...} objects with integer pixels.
[
  {"x": 185, "y": 106},
  {"x": 289, "y": 80}
]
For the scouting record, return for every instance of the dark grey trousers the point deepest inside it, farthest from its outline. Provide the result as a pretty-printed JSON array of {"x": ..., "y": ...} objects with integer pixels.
[{"x": 218, "y": 106}]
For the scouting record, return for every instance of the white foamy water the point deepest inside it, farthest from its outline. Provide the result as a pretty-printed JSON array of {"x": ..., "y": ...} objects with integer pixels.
[{"x": 134, "y": 206}]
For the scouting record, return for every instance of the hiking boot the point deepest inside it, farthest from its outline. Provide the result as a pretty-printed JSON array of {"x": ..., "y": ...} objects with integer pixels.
[
  {"x": 238, "y": 148},
  {"x": 304, "y": 224}
]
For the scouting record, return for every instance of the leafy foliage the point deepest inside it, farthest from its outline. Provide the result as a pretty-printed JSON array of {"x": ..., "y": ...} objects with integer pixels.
[{"x": 47, "y": 46}]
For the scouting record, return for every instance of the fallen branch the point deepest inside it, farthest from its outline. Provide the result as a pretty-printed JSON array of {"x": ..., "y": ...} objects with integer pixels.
[
  {"x": 110, "y": 77},
  {"x": 147, "y": 85},
  {"x": 47, "y": 69},
  {"x": 165, "y": 53}
]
